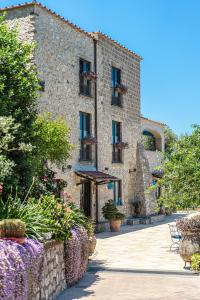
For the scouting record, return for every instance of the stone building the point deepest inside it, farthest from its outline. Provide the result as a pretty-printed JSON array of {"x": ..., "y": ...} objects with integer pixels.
[{"x": 94, "y": 83}]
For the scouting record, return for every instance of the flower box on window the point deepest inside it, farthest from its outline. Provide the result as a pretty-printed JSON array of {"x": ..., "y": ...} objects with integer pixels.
[
  {"x": 89, "y": 75},
  {"x": 90, "y": 140},
  {"x": 121, "y": 145},
  {"x": 121, "y": 88}
]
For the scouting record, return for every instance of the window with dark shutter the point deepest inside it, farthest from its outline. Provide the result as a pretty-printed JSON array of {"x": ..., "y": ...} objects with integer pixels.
[
  {"x": 116, "y": 81},
  {"x": 85, "y": 82},
  {"x": 85, "y": 131},
  {"x": 116, "y": 138},
  {"x": 117, "y": 192}
]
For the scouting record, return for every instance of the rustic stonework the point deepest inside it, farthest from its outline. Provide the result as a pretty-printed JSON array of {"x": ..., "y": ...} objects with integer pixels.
[
  {"x": 53, "y": 273},
  {"x": 60, "y": 45}
]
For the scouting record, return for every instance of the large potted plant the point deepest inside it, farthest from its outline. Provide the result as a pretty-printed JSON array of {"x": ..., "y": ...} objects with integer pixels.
[
  {"x": 190, "y": 242},
  {"x": 112, "y": 214}
]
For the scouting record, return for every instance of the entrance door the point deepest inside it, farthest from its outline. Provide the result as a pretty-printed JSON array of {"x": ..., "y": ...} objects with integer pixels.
[{"x": 86, "y": 198}]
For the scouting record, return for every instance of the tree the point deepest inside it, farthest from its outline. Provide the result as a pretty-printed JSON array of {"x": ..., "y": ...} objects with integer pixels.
[
  {"x": 27, "y": 140},
  {"x": 18, "y": 94},
  {"x": 181, "y": 180},
  {"x": 170, "y": 139}
]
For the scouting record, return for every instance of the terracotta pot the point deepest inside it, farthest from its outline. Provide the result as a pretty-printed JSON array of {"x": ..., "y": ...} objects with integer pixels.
[
  {"x": 92, "y": 241},
  {"x": 115, "y": 225},
  {"x": 189, "y": 245}
]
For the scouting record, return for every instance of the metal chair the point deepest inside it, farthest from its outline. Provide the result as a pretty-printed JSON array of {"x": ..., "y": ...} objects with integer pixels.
[{"x": 175, "y": 236}]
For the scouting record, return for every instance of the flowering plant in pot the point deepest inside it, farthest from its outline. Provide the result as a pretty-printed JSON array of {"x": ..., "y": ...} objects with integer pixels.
[
  {"x": 121, "y": 145},
  {"x": 112, "y": 214},
  {"x": 190, "y": 242},
  {"x": 89, "y": 75},
  {"x": 12, "y": 229},
  {"x": 121, "y": 88},
  {"x": 90, "y": 140}
]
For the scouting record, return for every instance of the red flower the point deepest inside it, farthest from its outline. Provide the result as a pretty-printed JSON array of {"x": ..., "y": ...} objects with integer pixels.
[
  {"x": 45, "y": 178},
  {"x": 1, "y": 188}
]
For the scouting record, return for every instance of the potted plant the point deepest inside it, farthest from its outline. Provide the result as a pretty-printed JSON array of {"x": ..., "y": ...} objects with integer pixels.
[
  {"x": 190, "y": 242},
  {"x": 121, "y": 88},
  {"x": 89, "y": 140},
  {"x": 91, "y": 237},
  {"x": 121, "y": 145},
  {"x": 12, "y": 229},
  {"x": 112, "y": 214}
]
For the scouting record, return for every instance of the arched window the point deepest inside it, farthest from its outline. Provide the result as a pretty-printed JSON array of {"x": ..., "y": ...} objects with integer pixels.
[{"x": 148, "y": 140}]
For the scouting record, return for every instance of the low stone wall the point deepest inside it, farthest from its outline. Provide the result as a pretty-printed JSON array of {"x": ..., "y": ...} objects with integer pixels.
[
  {"x": 45, "y": 269},
  {"x": 53, "y": 274}
]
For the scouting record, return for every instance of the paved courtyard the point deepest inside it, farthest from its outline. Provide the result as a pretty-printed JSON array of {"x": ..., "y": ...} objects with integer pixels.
[{"x": 136, "y": 264}]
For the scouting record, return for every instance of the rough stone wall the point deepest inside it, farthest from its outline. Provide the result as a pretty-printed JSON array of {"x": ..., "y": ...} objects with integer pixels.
[
  {"x": 109, "y": 55},
  {"x": 154, "y": 159},
  {"x": 146, "y": 198},
  {"x": 53, "y": 279}
]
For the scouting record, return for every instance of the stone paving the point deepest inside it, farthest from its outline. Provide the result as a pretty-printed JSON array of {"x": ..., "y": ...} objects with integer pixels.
[{"x": 136, "y": 264}]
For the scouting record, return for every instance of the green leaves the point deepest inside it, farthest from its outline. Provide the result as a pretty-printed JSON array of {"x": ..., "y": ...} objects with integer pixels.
[
  {"x": 51, "y": 139},
  {"x": 181, "y": 179}
]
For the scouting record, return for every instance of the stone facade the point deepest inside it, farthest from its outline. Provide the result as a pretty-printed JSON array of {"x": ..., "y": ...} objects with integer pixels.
[{"x": 60, "y": 45}]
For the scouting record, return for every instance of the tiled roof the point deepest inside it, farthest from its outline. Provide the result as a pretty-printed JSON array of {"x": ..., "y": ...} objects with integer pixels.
[
  {"x": 49, "y": 11},
  {"x": 103, "y": 35},
  {"x": 91, "y": 35}
]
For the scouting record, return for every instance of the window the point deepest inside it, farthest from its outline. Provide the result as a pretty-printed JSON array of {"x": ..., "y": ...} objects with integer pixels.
[
  {"x": 85, "y": 131},
  {"x": 116, "y": 80},
  {"x": 117, "y": 192},
  {"x": 85, "y": 82},
  {"x": 116, "y": 138}
]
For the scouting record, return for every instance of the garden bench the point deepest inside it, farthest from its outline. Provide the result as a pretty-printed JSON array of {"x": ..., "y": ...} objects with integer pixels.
[{"x": 175, "y": 236}]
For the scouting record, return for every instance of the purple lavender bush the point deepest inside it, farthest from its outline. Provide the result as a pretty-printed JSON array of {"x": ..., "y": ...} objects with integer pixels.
[
  {"x": 17, "y": 262},
  {"x": 76, "y": 255}
]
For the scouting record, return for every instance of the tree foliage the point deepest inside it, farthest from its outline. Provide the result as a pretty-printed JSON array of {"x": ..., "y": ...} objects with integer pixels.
[
  {"x": 170, "y": 139},
  {"x": 181, "y": 178},
  {"x": 51, "y": 139},
  {"x": 28, "y": 141}
]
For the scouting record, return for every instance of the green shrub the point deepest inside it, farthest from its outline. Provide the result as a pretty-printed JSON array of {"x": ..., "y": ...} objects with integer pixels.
[
  {"x": 195, "y": 262},
  {"x": 28, "y": 212},
  {"x": 110, "y": 211}
]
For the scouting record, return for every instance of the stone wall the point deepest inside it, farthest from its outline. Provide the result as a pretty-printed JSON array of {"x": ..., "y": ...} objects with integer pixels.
[
  {"x": 53, "y": 274},
  {"x": 154, "y": 159},
  {"x": 110, "y": 55}
]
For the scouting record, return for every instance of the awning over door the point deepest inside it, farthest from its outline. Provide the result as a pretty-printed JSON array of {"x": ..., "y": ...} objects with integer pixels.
[{"x": 97, "y": 177}]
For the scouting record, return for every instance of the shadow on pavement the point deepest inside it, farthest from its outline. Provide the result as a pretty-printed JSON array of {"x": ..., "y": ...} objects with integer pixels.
[
  {"x": 131, "y": 228},
  {"x": 79, "y": 291}
]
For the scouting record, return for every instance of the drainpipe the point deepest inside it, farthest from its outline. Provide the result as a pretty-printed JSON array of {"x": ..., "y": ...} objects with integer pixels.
[{"x": 96, "y": 131}]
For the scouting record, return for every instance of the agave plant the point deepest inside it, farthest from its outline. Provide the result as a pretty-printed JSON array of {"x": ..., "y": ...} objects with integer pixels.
[{"x": 28, "y": 212}]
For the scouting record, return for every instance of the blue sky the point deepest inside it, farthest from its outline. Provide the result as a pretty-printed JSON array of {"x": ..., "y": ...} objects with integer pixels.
[{"x": 166, "y": 33}]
